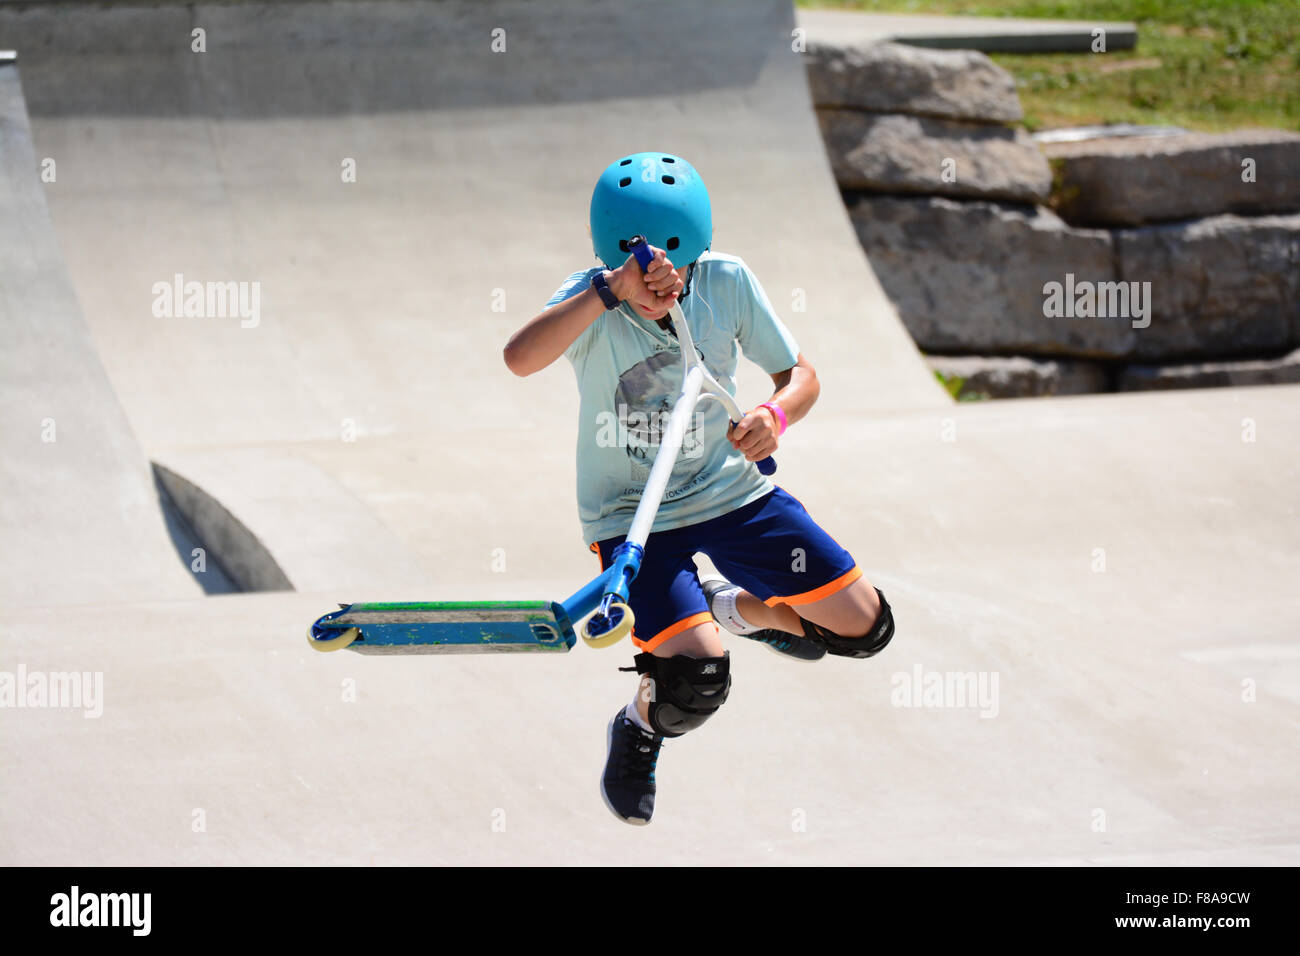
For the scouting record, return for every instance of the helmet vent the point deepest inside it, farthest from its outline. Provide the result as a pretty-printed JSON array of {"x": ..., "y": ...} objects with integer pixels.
[
  {"x": 668, "y": 179},
  {"x": 673, "y": 243},
  {"x": 626, "y": 162},
  {"x": 625, "y": 181},
  {"x": 669, "y": 159}
]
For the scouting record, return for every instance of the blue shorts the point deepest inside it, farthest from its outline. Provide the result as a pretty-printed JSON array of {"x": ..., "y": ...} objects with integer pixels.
[{"x": 770, "y": 547}]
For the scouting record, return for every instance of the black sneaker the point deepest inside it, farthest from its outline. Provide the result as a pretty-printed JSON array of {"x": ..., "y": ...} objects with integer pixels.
[
  {"x": 628, "y": 786},
  {"x": 782, "y": 642},
  {"x": 788, "y": 645}
]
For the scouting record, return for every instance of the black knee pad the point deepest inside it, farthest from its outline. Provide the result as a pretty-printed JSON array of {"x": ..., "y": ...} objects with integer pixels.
[
  {"x": 685, "y": 691},
  {"x": 869, "y": 645}
]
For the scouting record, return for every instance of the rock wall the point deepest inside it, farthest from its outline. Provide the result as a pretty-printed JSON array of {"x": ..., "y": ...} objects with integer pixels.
[{"x": 1022, "y": 268}]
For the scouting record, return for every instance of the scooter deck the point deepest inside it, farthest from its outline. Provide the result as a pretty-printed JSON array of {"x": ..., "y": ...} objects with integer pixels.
[{"x": 448, "y": 627}]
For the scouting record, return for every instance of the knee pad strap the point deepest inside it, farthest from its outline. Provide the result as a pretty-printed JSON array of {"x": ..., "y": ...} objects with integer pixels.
[
  {"x": 685, "y": 691},
  {"x": 870, "y": 644}
]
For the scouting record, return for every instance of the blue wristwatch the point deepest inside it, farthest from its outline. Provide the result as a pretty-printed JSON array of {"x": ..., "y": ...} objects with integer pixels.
[{"x": 601, "y": 285}]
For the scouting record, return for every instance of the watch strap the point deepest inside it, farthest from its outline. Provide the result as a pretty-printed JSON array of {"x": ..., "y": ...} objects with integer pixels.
[{"x": 601, "y": 285}]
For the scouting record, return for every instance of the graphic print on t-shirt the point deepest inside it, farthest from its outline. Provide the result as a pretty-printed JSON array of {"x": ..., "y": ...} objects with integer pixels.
[{"x": 644, "y": 400}]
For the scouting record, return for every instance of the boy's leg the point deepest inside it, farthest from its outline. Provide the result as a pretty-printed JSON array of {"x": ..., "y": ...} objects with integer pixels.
[
  {"x": 672, "y": 614},
  {"x": 698, "y": 640},
  {"x": 795, "y": 578},
  {"x": 684, "y": 672},
  {"x": 852, "y": 611}
]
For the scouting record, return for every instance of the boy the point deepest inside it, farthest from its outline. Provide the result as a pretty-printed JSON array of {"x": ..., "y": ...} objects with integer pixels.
[{"x": 610, "y": 323}]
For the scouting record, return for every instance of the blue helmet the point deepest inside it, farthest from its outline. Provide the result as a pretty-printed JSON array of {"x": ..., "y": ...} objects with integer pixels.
[{"x": 656, "y": 195}]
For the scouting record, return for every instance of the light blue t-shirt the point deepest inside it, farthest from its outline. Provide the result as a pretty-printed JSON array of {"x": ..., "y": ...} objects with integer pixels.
[{"x": 629, "y": 372}]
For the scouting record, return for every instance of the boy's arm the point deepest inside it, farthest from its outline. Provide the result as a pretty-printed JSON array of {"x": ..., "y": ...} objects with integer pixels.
[
  {"x": 544, "y": 339},
  {"x": 797, "y": 389}
]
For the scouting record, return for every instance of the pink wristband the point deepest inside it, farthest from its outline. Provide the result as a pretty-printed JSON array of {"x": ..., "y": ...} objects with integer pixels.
[{"x": 780, "y": 416}]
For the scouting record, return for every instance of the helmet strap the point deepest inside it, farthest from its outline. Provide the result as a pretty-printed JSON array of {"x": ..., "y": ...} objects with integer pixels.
[
  {"x": 686, "y": 290},
  {"x": 690, "y": 274}
]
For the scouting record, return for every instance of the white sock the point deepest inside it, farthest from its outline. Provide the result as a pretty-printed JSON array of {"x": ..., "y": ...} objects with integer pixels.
[
  {"x": 634, "y": 715},
  {"x": 727, "y": 614}
]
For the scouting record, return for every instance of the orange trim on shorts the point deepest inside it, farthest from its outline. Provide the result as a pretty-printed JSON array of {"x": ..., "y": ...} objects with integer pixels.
[
  {"x": 673, "y": 630},
  {"x": 595, "y": 549},
  {"x": 825, "y": 591}
]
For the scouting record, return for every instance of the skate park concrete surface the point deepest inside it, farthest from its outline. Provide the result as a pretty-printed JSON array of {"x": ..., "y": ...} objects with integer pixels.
[
  {"x": 990, "y": 34},
  {"x": 1115, "y": 574}
]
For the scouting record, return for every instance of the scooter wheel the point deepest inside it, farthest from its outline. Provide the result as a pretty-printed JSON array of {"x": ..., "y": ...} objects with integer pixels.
[
  {"x": 605, "y": 630},
  {"x": 337, "y": 643}
]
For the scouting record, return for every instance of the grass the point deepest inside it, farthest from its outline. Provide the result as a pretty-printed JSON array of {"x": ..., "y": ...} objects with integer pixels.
[
  {"x": 955, "y": 385},
  {"x": 1204, "y": 64}
]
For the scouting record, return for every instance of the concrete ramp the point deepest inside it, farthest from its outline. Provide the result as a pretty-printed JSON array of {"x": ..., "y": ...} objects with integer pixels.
[
  {"x": 384, "y": 302},
  {"x": 1097, "y": 657},
  {"x": 79, "y": 517},
  {"x": 1042, "y": 703},
  {"x": 475, "y": 132}
]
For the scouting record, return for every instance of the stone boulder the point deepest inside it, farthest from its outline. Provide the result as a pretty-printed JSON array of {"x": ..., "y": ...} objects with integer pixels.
[
  {"x": 887, "y": 152},
  {"x": 973, "y": 277},
  {"x": 1223, "y": 286},
  {"x": 1130, "y": 181},
  {"x": 894, "y": 78},
  {"x": 998, "y": 376},
  {"x": 1281, "y": 371}
]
